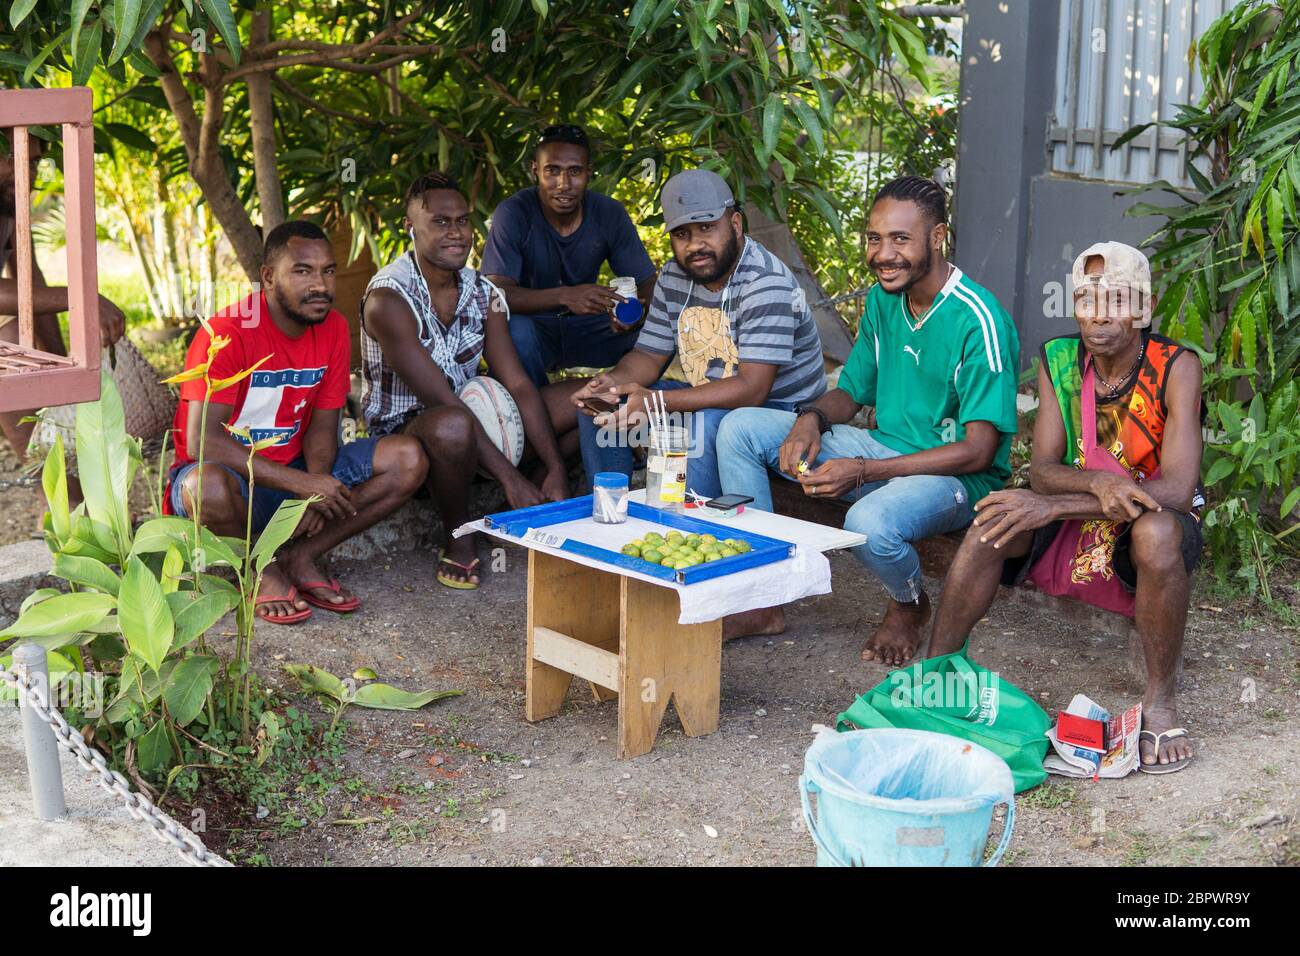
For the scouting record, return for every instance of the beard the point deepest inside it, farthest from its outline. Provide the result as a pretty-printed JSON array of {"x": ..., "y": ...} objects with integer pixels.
[
  {"x": 711, "y": 272},
  {"x": 291, "y": 309},
  {"x": 915, "y": 272}
]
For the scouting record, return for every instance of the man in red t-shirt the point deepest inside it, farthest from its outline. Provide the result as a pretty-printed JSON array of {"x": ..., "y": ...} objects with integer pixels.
[{"x": 295, "y": 394}]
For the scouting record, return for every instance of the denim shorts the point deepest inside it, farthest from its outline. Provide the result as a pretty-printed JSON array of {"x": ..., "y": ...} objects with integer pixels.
[{"x": 354, "y": 464}]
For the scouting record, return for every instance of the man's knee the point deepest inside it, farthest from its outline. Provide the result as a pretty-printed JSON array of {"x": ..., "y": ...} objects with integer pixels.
[
  {"x": 884, "y": 537},
  {"x": 735, "y": 429},
  {"x": 220, "y": 492},
  {"x": 1156, "y": 543},
  {"x": 404, "y": 457},
  {"x": 445, "y": 432}
]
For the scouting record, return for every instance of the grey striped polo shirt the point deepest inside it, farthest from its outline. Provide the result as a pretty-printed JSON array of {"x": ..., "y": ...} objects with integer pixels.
[{"x": 761, "y": 315}]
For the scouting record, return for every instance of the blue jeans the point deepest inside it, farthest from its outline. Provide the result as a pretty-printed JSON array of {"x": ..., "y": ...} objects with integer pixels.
[
  {"x": 353, "y": 464},
  {"x": 548, "y": 342},
  {"x": 892, "y": 514},
  {"x": 702, "y": 457}
]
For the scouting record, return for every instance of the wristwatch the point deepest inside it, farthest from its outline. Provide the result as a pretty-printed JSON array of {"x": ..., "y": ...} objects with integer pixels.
[{"x": 823, "y": 425}]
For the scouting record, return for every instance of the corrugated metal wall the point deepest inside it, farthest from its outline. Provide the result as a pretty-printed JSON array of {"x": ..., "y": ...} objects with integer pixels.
[{"x": 1120, "y": 63}]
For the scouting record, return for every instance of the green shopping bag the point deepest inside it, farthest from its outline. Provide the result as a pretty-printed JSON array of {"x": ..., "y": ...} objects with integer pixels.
[{"x": 950, "y": 695}]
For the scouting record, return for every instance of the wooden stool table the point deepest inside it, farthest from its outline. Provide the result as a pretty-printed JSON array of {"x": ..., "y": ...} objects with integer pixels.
[{"x": 620, "y": 633}]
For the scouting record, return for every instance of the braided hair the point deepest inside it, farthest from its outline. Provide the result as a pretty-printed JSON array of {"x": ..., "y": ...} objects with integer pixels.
[
  {"x": 926, "y": 193},
  {"x": 434, "y": 179}
]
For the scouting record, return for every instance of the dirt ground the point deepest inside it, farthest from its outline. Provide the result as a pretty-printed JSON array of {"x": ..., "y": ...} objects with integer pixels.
[{"x": 469, "y": 781}]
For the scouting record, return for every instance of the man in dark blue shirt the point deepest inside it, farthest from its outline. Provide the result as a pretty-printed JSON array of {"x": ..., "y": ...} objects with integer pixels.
[{"x": 545, "y": 249}]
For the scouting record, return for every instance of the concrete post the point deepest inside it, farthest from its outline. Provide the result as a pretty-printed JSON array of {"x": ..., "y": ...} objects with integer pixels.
[{"x": 43, "y": 770}]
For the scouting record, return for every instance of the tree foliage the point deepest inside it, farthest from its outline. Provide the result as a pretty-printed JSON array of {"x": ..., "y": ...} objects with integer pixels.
[{"x": 329, "y": 110}]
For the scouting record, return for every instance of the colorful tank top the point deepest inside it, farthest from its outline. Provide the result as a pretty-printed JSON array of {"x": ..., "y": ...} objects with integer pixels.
[{"x": 1131, "y": 425}]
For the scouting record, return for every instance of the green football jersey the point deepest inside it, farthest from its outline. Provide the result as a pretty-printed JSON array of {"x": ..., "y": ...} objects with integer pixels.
[{"x": 929, "y": 379}]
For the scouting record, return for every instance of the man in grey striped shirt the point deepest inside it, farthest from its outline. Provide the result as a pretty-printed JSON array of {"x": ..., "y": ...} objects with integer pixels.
[{"x": 736, "y": 319}]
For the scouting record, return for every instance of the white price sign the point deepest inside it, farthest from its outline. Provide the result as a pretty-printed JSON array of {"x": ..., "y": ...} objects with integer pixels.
[{"x": 547, "y": 538}]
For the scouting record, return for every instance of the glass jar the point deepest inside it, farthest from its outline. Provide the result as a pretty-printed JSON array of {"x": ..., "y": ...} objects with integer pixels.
[{"x": 608, "y": 494}]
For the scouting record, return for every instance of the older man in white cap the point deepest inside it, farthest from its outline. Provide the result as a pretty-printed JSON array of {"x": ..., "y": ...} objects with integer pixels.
[
  {"x": 733, "y": 315},
  {"x": 1113, "y": 515}
]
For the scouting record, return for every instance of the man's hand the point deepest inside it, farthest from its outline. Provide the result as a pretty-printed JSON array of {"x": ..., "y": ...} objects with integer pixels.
[
  {"x": 802, "y": 444},
  {"x": 312, "y": 522},
  {"x": 555, "y": 486},
  {"x": 602, "y": 387},
  {"x": 112, "y": 323},
  {"x": 1120, "y": 497},
  {"x": 590, "y": 299},
  {"x": 1001, "y": 515},
  {"x": 833, "y": 479},
  {"x": 521, "y": 493},
  {"x": 336, "y": 497},
  {"x": 617, "y": 327}
]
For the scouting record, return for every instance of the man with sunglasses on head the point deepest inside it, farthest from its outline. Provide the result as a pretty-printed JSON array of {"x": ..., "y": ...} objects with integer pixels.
[{"x": 545, "y": 250}]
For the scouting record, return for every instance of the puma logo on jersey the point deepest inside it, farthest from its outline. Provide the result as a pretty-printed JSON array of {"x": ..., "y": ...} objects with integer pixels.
[
  {"x": 915, "y": 353},
  {"x": 299, "y": 407}
]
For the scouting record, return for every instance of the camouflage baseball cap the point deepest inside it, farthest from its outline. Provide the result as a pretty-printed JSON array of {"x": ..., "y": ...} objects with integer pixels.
[{"x": 1122, "y": 267}]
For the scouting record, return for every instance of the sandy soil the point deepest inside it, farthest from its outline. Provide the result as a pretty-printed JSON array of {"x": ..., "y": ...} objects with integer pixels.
[{"x": 469, "y": 781}]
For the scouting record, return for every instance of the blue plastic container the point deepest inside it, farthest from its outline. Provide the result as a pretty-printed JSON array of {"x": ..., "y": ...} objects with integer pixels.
[{"x": 903, "y": 798}]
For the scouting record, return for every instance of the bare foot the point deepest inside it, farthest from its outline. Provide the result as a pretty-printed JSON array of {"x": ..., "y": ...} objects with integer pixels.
[
  {"x": 764, "y": 620},
  {"x": 463, "y": 551},
  {"x": 1158, "y": 718},
  {"x": 276, "y": 585},
  {"x": 899, "y": 634},
  {"x": 299, "y": 568}
]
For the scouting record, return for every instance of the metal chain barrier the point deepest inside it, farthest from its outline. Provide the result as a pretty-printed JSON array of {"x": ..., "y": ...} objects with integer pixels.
[{"x": 189, "y": 846}]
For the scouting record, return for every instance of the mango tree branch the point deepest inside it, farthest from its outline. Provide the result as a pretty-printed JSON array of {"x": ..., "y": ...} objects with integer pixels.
[{"x": 261, "y": 109}]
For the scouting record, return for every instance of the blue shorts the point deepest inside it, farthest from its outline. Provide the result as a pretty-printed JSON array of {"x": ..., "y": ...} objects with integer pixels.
[{"x": 354, "y": 464}]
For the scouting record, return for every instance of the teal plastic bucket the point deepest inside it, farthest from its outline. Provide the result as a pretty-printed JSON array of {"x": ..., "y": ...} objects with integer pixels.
[{"x": 903, "y": 798}]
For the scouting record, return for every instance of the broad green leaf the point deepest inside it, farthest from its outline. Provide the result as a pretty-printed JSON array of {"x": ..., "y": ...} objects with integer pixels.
[
  {"x": 365, "y": 673},
  {"x": 388, "y": 697},
  {"x": 103, "y": 462},
  {"x": 277, "y": 531},
  {"x": 542, "y": 7},
  {"x": 218, "y": 12},
  {"x": 135, "y": 685},
  {"x": 54, "y": 479},
  {"x": 194, "y": 613},
  {"x": 773, "y": 113},
  {"x": 316, "y": 681},
  {"x": 742, "y": 16},
  {"x": 40, "y": 594},
  {"x": 173, "y": 567},
  {"x": 125, "y": 133},
  {"x": 188, "y": 686},
  {"x": 158, "y": 534},
  {"x": 86, "y": 52},
  {"x": 1289, "y": 503},
  {"x": 18, "y": 12},
  {"x": 38, "y": 61},
  {"x": 126, "y": 14},
  {"x": 145, "y": 618},
  {"x": 1219, "y": 470},
  {"x": 87, "y": 572},
  {"x": 153, "y": 750},
  {"x": 66, "y": 614},
  {"x": 808, "y": 119},
  {"x": 1276, "y": 222}
]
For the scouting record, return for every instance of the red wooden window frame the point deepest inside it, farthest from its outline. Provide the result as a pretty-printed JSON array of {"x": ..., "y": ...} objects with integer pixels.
[{"x": 29, "y": 377}]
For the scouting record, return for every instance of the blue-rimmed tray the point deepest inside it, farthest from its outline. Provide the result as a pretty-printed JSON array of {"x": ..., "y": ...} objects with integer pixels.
[{"x": 518, "y": 524}]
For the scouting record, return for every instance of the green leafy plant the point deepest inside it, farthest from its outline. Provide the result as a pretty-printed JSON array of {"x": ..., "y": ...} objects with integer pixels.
[
  {"x": 141, "y": 602},
  {"x": 338, "y": 694},
  {"x": 1252, "y": 452}
]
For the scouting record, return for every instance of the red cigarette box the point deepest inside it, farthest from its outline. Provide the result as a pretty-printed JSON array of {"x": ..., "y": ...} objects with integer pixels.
[{"x": 1081, "y": 732}]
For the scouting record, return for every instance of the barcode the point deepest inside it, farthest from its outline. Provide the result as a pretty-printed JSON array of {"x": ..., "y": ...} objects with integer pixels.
[{"x": 547, "y": 538}]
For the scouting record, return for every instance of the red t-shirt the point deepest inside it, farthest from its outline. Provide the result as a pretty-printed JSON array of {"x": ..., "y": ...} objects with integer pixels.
[{"x": 303, "y": 374}]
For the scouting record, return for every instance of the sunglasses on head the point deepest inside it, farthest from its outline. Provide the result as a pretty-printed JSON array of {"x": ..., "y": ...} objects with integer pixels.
[{"x": 554, "y": 132}]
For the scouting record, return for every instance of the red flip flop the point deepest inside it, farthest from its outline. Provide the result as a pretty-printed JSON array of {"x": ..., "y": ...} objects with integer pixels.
[
  {"x": 332, "y": 585},
  {"x": 292, "y": 598}
]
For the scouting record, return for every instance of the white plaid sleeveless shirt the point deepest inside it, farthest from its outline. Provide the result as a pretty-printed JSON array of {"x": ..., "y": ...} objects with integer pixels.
[{"x": 387, "y": 402}]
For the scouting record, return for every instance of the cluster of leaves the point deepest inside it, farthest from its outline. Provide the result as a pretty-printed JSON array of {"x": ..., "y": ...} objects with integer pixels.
[
  {"x": 1227, "y": 264},
  {"x": 749, "y": 87}
]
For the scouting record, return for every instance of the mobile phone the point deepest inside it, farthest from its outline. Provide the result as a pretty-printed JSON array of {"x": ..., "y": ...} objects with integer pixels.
[
  {"x": 727, "y": 502},
  {"x": 599, "y": 406}
]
